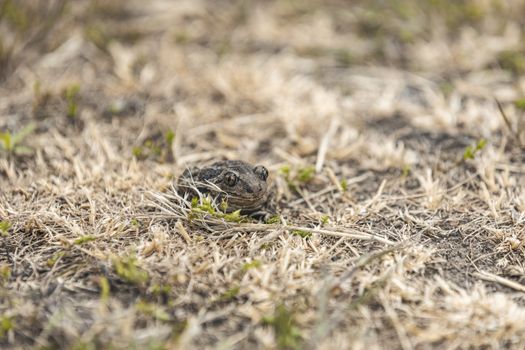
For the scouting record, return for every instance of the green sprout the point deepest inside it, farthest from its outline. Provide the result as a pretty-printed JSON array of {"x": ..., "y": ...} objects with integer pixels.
[
  {"x": 223, "y": 206},
  {"x": 82, "y": 345},
  {"x": 137, "y": 152},
  {"x": 104, "y": 287},
  {"x": 302, "y": 233},
  {"x": 520, "y": 103},
  {"x": 53, "y": 260},
  {"x": 230, "y": 294},
  {"x": 285, "y": 170},
  {"x": 6, "y": 324},
  {"x": 251, "y": 265},
  {"x": 181, "y": 37},
  {"x": 266, "y": 246},
  {"x": 11, "y": 143},
  {"x": 153, "y": 147},
  {"x": 153, "y": 310},
  {"x": 287, "y": 334},
  {"x": 16, "y": 15},
  {"x": 70, "y": 95},
  {"x": 5, "y": 273},
  {"x": 128, "y": 269},
  {"x": 158, "y": 147},
  {"x": 306, "y": 174},
  {"x": 4, "y": 228},
  {"x": 274, "y": 219},
  {"x": 160, "y": 289},
  {"x": 297, "y": 176},
  {"x": 470, "y": 152},
  {"x": 344, "y": 185},
  {"x": 178, "y": 328},
  {"x": 170, "y": 137},
  {"x": 205, "y": 206},
  {"x": 84, "y": 239},
  {"x": 98, "y": 35},
  {"x": 406, "y": 170},
  {"x": 512, "y": 61},
  {"x": 234, "y": 216}
]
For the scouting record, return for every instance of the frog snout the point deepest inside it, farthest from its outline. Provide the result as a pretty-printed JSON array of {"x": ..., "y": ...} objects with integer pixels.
[{"x": 255, "y": 189}]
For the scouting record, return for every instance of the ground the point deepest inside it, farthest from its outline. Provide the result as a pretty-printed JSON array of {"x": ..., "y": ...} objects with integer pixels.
[{"x": 394, "y": 136}]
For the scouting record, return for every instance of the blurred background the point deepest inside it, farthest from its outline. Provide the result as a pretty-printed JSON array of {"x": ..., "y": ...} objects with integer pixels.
[{"x": 165, "y": 68}]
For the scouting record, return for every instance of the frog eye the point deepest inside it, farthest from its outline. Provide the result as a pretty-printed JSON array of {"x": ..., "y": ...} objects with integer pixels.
[
  {"x": 261, "y": 171},
  {"x": 231, "y": 178}
]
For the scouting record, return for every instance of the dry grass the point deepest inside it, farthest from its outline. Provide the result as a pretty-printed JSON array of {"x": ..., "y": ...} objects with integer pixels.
[{"x": 394, "y": 135}]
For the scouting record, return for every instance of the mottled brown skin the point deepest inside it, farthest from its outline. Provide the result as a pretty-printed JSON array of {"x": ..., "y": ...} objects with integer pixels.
[{"x": 242, "y": 185}]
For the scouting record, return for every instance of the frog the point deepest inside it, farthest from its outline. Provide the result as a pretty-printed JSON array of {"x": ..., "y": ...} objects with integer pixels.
[{"x": 240, "y": 185}]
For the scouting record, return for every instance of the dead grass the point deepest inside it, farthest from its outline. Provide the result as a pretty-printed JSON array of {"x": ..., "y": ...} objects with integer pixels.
[{"x": 395, "y": 148}]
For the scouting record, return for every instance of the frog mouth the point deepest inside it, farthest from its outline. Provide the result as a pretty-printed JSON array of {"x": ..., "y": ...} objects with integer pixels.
[{"x": 247, "y": 203}]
